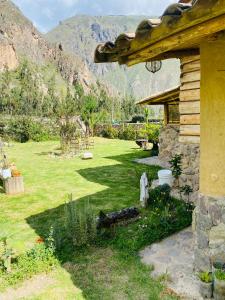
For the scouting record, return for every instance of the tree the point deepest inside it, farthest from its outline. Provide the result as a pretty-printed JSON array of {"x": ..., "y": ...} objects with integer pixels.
[{"x": 6, "y": 103}]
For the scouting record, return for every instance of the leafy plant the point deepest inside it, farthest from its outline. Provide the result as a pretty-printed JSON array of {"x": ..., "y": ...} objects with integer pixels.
[
  {"x": 6, "y": 254},
  {"x": 23, "y": 129},
  {"x": 110, "y": 132},
  {"x": 160, "y": 196},
  {"x": 176, "y": 165},
  {"x": 220, "y": 274},
  {"x": 40, "y": 258},
  {"x": 186, "y": 190},
  {"x": 127, "y": 133},
  {"x": 151, "y": 133},
  {"x": 206, "y": 277}
]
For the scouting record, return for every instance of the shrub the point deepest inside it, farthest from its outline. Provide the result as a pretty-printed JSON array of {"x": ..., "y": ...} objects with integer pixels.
[
  {"x": 160, "y": 196},
  {"x": 23, "y": 129},
  {"x": 6, "y": 254},
  {"x": 157, "y": 223},
  {"x": 137, "y": 119},
  {"x": 110, "y": 132},
  {"x": 151, "y": 132},
  {"x": 176, "y": 165},
  {"x": 41, "y": 258},
  {"x": 127, "y": 133},
  {"x": 80, "y": 223}
]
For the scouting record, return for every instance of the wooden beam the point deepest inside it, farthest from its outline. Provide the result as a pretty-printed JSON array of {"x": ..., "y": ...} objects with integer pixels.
[
  {"x": 166, "y": 114},
  {"x": 190, "y": 77},
  {"x": 191, "y": 66},
  {"x": 188, "y": 130},
  {"x": 190, "y": 95},
  {"x": 188, "y": 108},
  {"x": 190, "y": 85},
  {"x": 190, "y": 59},
  {"x": 179, "y": 40},
  {"x": 190, "y": 119},
  {"x": 189, "y": 139}
]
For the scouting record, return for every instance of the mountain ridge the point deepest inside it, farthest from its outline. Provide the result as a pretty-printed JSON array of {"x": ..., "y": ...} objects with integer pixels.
[
  {"x": 20, "y": 38},
  {"x": 81, "y": 34}
]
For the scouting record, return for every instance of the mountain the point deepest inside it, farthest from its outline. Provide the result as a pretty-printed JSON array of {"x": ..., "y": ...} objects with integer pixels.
[
  {"x": 20, "y": 40},
  {"x": 81, "y": 34}
]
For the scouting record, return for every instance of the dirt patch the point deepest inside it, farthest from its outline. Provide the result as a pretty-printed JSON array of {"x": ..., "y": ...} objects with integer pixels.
[{"x": 31, "y": 287}]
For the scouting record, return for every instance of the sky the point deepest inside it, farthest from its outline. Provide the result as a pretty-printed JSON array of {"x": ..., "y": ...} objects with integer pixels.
[{"x": 46, "y": 14}]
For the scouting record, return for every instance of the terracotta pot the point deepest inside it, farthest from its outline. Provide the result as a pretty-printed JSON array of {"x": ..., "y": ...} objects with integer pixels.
[
  {"x": 206, "y": 289},
  {"x": 219, "y": 289}
]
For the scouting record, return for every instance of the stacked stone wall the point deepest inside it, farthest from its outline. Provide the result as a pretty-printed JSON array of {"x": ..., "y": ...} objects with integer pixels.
[
  {"x": 209, "y": 228},
  {"x": 169, "y": 145}
]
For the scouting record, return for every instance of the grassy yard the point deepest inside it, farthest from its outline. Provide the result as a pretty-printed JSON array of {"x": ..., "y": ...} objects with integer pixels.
[{"x": 110, "y": 181}]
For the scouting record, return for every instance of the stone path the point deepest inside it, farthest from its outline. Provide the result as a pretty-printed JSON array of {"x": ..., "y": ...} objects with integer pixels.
[
  {"x": 152, "y": 161},
  {"x": 174, "y": 256}
]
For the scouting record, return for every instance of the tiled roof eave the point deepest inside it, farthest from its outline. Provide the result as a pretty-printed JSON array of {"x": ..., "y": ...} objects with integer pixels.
[{"x": 202, "y": 11}]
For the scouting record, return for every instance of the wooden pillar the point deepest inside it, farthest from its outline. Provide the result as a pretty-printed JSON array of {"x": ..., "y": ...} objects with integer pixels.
[
  {"x": 166, "y": 114},
  {"x": 212, "y": 161}
]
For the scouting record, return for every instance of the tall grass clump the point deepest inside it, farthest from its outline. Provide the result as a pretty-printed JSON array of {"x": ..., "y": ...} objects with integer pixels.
[{"x": 80, "y": 223}]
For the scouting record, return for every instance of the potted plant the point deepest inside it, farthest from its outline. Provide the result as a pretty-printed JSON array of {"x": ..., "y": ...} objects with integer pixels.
[
  {"x": 219, "y": 285},
  {"x": 206, "y": 284}
]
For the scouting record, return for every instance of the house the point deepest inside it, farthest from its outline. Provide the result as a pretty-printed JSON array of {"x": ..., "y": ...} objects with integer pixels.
[
  {"x": 194, "y": 32},
  {"x": 178, "y": 126}
]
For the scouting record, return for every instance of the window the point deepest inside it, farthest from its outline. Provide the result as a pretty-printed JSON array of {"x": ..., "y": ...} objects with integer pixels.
[{"x": 173, "y": 115}]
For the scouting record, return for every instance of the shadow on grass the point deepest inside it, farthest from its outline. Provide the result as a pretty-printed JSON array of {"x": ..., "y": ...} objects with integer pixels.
[{"x": 121, "y": 190}]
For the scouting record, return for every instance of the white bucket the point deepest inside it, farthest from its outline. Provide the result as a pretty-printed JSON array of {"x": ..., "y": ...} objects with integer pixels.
[
  {"x": 165, "y": 177},
  {"x": 6, "y": 173}
]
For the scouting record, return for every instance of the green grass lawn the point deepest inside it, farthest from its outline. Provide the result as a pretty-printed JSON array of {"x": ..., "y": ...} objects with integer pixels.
[{"x": 110, "y": 181}]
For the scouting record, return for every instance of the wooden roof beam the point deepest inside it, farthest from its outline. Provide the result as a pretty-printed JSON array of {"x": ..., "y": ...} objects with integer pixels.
[{"x": 182, "y": 41}]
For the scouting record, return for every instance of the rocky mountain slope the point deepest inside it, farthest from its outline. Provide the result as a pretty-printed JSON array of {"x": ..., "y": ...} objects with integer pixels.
[
  {"x": 81, "y": 34},
  {"x": 19, "y": 39}
]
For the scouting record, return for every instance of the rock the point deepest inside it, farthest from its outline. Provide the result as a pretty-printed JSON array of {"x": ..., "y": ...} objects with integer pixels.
[
  {"x": 87, "y": 155},
  {"x": 204, "y": 222},
  {"x": 215, "y": 213},
  {"x": 217, "y": 236},
  {"x": 202, "y": 260},
  {"x": 202, "y": 239}
]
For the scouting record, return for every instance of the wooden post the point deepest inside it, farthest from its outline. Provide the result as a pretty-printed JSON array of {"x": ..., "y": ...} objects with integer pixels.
[
  {"x": 166, "y": 114},
  {"x": 14, "y": 185}
]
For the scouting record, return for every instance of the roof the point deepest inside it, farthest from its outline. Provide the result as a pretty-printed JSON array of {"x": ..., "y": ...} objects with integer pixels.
[
  {"x": 181, "y": 27},
  {"x": 168, "y": 96}
]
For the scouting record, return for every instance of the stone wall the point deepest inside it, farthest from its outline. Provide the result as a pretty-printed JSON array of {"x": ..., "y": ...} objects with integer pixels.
[
  {"x": 169, "y": 142},
  {"x": 209, "y": 228},
  {"x": 169, "y": 145},
  {"x": 190, "y": 167}
]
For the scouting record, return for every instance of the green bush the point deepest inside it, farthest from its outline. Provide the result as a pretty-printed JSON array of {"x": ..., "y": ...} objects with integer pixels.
[
  {"x": 41, "y": 258},
  {"x": 156, "y": 223},
  {"x": 23, "y": 129},
  {"x": 80, "y": 224},
  {"x": 151, "y": 132},
  {"x": 160, "y": 196},
  {"x": 127, "y": 133},
  {"x": 110, "y": 132}
]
